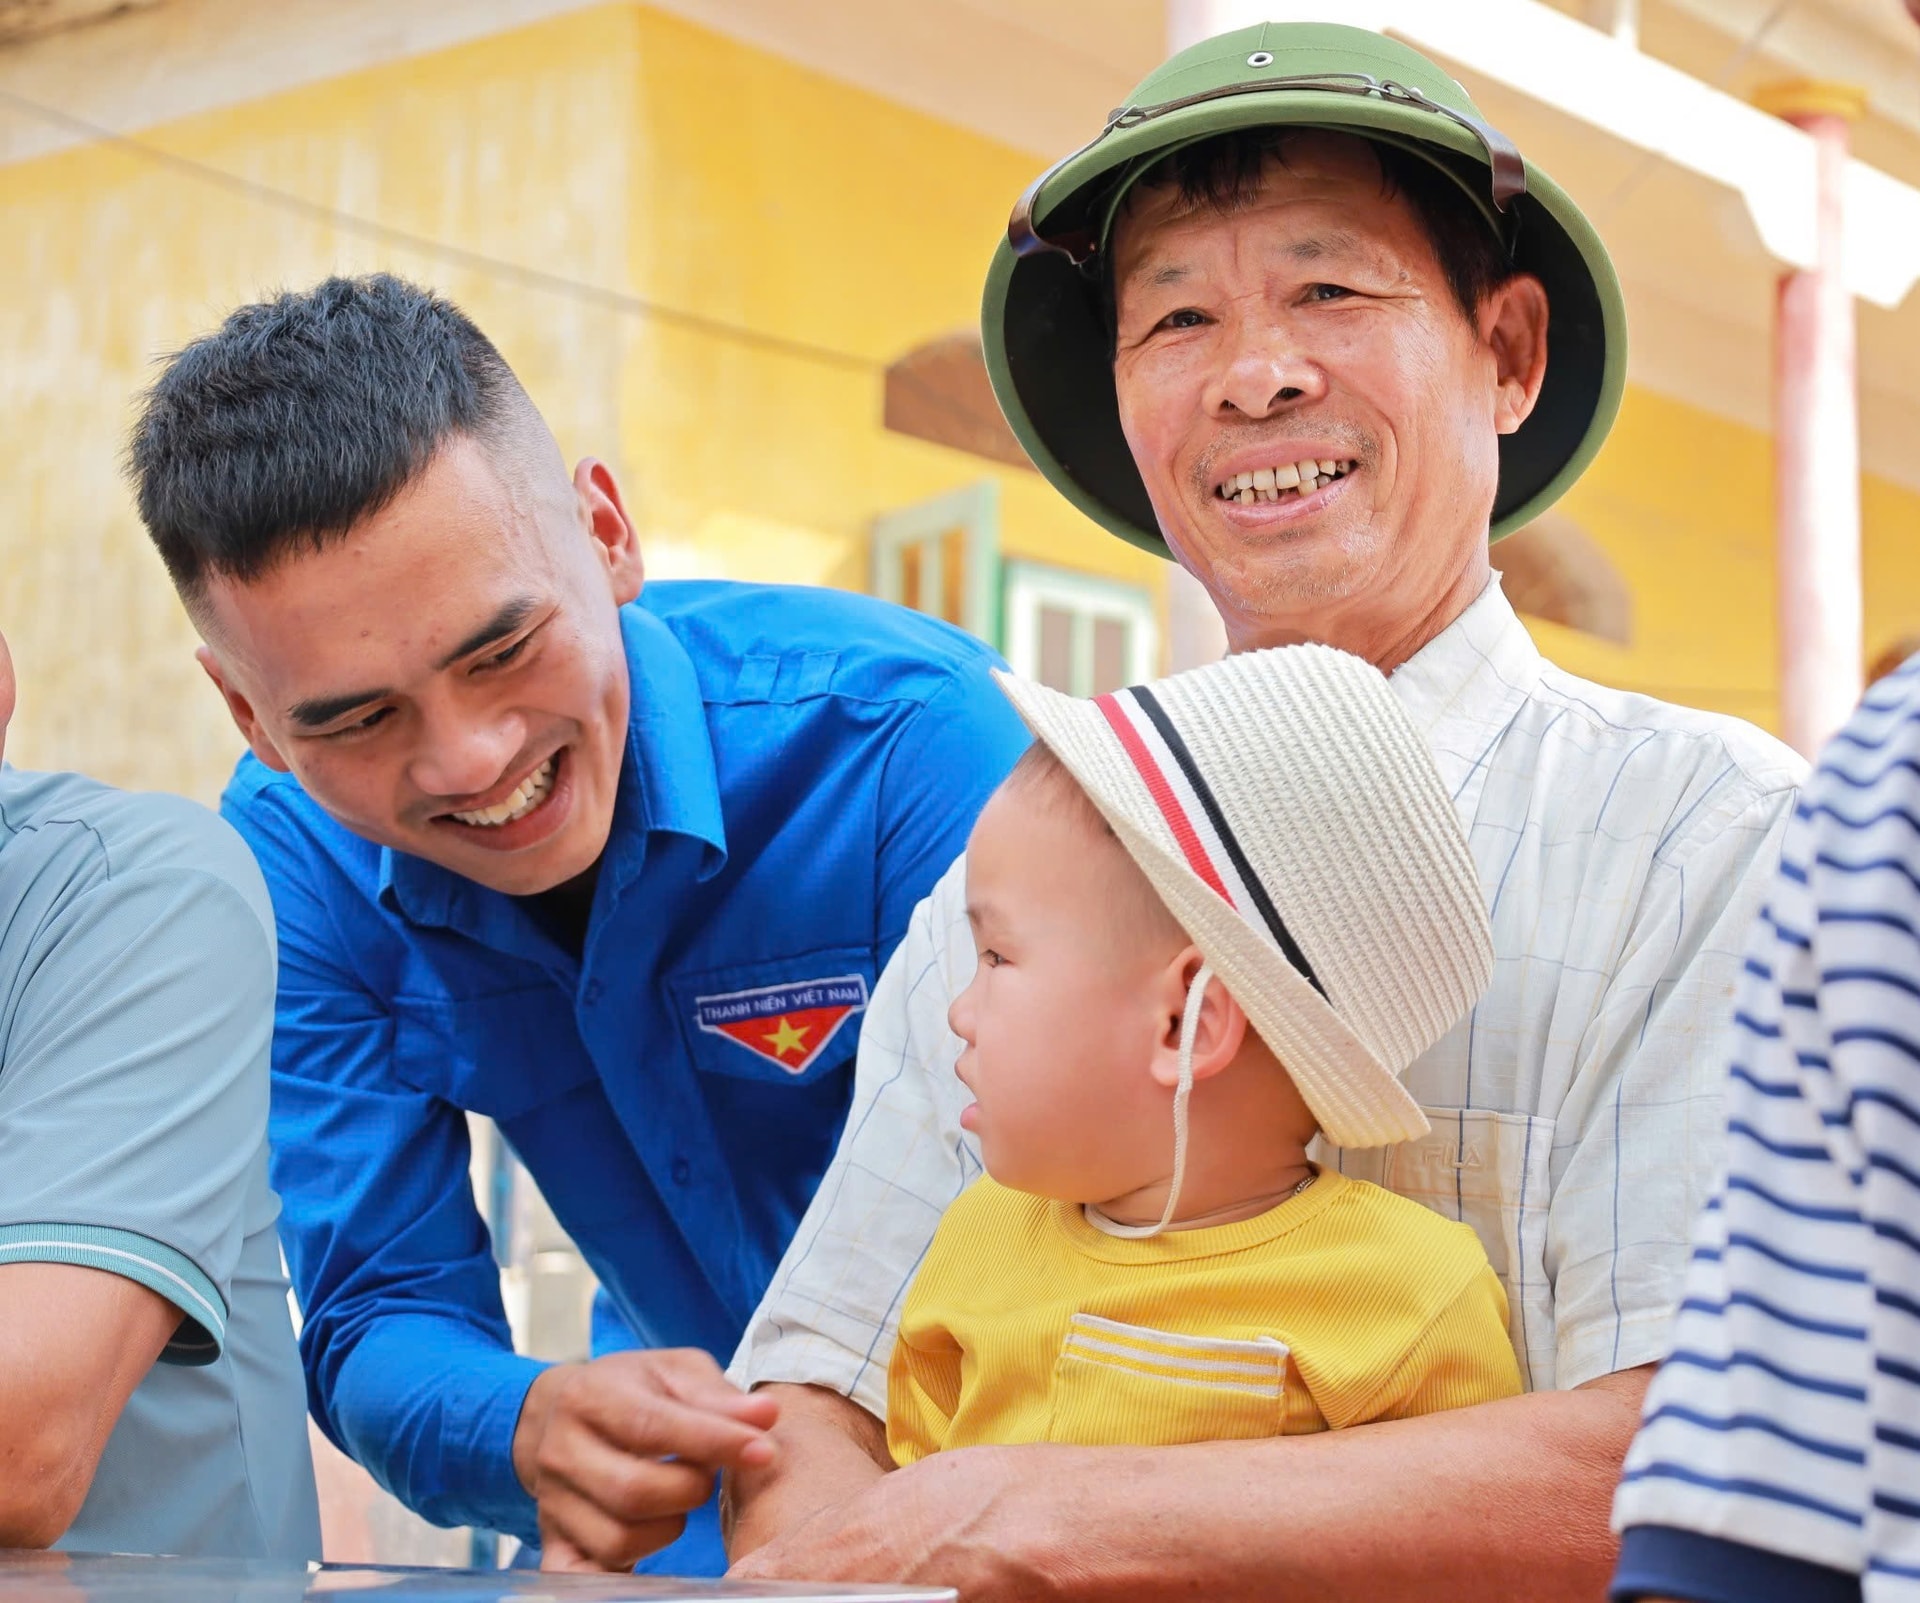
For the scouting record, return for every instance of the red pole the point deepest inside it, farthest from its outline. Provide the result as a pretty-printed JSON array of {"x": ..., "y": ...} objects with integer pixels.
[{"x": 1816, "y": 443}]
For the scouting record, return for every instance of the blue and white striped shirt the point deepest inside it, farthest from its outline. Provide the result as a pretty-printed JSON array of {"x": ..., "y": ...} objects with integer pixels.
[{"x": 1780, "y": 1452}]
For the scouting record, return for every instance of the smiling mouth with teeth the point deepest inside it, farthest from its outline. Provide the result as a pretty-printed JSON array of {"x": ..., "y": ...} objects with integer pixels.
[
  {"x": 1288, "y": 481},
  {"x": 529, "y": 794}
]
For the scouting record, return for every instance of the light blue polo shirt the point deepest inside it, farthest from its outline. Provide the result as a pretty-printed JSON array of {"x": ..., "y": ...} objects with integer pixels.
[{"x": 136, "y": 1018}]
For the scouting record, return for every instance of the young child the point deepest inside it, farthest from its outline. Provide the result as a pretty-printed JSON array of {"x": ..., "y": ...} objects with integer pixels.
[{"x": 1215, "y": 916}]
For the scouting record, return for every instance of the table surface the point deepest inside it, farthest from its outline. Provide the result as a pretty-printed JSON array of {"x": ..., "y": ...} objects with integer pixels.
[{"x": 102, "y": 1578}]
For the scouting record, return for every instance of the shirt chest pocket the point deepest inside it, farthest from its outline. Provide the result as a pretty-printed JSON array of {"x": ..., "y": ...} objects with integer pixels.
[
  {"x": 1491, "y": 1171},
  {"x": 786, "y": 1021},
  {"x": 501, "y": 1055},
  {"x": 1117, "y": 1384}
]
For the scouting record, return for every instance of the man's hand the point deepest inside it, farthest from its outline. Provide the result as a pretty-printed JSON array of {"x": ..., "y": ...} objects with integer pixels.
[
  {"x": 978, "y": 1519},
  {"x": 617, "y": 1452},
  {"x": 829, "y": 1448}
]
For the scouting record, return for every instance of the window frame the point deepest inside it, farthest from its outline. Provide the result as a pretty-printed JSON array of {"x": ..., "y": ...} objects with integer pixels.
[
  {"x": 972, "y": 511},
  {"x": 1027, "y": 587}
]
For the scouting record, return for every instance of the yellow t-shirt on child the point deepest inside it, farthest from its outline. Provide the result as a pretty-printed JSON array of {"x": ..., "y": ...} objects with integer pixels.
[{"x": 1345, "y": 1304}]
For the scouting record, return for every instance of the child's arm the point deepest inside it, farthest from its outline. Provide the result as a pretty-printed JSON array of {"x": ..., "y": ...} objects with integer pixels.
[
  {"x": 845, "y": 1449},
  {"x": 1464, "y": 1356},
  {"x": 923, "y": 1393},
  {"x": 923, "y": 1376}
]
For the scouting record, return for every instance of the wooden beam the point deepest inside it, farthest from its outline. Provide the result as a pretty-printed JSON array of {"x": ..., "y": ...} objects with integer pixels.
[{"x": 939, "y": 392}]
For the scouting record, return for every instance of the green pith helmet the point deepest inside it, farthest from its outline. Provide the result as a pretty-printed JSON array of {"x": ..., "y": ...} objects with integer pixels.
[{"x": 1047, "y": 345}]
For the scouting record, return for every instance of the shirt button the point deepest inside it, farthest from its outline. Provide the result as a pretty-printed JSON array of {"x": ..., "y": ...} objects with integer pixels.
[
  {"x": 593, "y": 992},
  {"x": 682, "y": 1171}
]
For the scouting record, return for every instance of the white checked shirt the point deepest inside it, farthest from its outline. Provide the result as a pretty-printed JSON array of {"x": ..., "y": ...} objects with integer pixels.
[{"x": 1624, "y": 846}]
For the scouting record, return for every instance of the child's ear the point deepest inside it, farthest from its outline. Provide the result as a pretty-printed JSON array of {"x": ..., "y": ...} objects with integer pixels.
[{"x": 1222, "y": 1026}]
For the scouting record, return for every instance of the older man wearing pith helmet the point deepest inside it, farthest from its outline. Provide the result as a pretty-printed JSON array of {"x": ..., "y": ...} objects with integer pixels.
[{"x": 1301, "y": 320}]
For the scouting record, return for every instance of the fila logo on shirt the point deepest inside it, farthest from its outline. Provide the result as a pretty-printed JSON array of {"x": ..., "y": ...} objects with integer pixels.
[{"x": 786, "y": 1024}]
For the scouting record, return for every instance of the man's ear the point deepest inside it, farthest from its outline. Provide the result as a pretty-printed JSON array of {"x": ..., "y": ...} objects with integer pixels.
[
  {"x": 1216, "y": 1039},
  {"x": 1513, "y": 323},
  {"x": 241, "y": 711},
  {"x": 615, "y": 541}
]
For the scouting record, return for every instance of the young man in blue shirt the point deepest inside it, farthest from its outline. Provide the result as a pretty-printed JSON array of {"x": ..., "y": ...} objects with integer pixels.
[{"x": 614, "y": 868}]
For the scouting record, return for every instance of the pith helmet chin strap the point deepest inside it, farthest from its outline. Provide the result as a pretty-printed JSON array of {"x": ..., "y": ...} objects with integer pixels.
[{"x": 1189, "y": 1028}]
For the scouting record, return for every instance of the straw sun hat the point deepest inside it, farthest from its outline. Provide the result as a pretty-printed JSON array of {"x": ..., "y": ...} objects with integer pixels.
[{"x": 1291, "y": 818}]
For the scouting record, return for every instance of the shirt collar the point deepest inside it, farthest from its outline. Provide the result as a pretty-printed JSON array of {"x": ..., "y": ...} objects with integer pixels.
[
  {"x": 667, "y": 784},
  {"x": 1466, "y": 684}
]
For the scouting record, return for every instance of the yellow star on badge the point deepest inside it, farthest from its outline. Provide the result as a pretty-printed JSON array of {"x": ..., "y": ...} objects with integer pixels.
[{"x": 788, "y": 1038}]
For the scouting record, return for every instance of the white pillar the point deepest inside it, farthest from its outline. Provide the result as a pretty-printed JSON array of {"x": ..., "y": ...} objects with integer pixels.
[
  {"x": 1190, "y": 21},
  {"x": 1195, "y": 634},
  {"x": 1621, "y": 18},
  {"x": 1816, "y": 446}
]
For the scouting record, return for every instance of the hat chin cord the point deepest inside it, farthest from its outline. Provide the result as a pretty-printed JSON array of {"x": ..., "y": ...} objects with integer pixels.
[{"x": 1189, "y": 1028}]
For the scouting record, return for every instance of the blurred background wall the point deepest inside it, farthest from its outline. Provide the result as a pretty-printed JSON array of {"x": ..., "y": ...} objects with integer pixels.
[
  {"x": 814, "y": 232},
  {"x": 612, "y": 145},
  {"x": 735, "y": 248}
]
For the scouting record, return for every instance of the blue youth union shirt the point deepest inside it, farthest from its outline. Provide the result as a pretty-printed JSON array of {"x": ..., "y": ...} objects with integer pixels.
[{"x": 802, "y": 766}]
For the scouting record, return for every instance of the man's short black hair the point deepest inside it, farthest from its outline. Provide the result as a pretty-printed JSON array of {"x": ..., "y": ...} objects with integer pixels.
[
  {"x": 302, "y": 415},
  {"x": 1224, "y": 173}
]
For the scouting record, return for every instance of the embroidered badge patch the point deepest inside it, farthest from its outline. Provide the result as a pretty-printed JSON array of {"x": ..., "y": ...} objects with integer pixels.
[{"x": 786, "y": 1024}]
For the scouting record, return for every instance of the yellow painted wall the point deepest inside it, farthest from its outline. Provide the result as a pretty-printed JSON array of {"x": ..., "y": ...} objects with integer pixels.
[
  {"x": 1891, "y": 562},
  {"x": 627, "y": 149},
  {"x": 111, "y": 261},
  {"x": 615, "y": 146},
  {"x": 1683, "y": 503}
]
